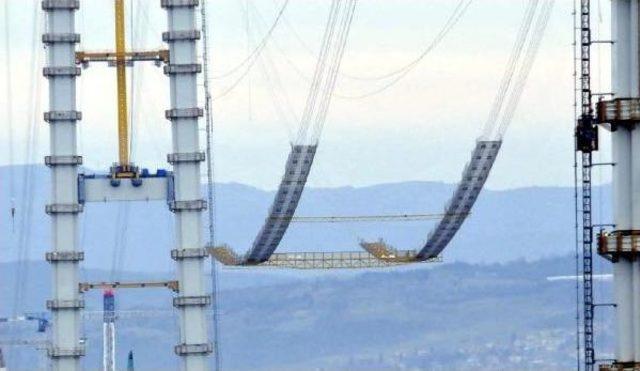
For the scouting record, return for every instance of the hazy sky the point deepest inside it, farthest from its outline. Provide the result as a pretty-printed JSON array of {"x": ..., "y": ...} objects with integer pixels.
[{"x": 423, "y": 128}]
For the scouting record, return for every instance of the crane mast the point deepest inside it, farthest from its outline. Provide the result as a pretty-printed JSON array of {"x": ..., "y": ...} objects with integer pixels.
[
  {"x": 121, "y": 71},
  {"x": 121, "y": 59},
  {"x": 586, "y": 143}
]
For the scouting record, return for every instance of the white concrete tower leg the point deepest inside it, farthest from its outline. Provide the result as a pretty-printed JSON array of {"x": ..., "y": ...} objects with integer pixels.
[
  {"x": 66, "y": 302},
  {"x": 188, "y": 205},
  {"x": 634, "y": 90},
  {"x": 623, "y": 207}
]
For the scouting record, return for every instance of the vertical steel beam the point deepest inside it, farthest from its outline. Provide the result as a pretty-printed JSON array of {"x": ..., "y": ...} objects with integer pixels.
[
  {"x": 65, "y": 350},
  {"x": 183, "y": 69}
]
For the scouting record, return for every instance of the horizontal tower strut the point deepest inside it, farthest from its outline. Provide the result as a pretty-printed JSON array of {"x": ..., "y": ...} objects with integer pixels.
[
  {"x": 159, "y": 56},
  {"x": 86, "y": 286}
]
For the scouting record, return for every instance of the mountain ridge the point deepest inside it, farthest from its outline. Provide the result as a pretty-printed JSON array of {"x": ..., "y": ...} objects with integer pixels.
[{"x": 541, "y": 219}]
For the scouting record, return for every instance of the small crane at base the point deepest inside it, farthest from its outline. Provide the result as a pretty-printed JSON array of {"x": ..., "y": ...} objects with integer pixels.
[{"x": 130, "y": 361}]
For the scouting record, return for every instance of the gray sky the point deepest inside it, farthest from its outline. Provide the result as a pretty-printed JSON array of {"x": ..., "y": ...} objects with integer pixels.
[{"x": 423, "y": 128}]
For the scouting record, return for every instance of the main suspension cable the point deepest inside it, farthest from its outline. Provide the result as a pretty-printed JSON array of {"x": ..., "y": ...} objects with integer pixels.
[
  {"x": 327, "y": 68},
  {"x": 28, "y": 182},
  {"x": 9, "y": 109},
  {"x": 329, "y": 90},
  {"x": 512, "y": 64},
  {"x": 529, "y": 59}
]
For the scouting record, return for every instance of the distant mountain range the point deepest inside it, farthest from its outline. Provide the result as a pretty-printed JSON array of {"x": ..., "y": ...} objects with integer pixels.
[
  {"x": 426, "y": 317},
  {"x": 527, "y": 223},
  {"x": 488, "y": 307}
]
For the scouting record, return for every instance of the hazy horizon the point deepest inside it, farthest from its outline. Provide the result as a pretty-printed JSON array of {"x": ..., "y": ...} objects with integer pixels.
[{"x": 421, "y": 129}]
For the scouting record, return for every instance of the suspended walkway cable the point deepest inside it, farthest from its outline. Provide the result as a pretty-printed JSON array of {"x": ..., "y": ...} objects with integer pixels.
[
  {"x": 457, "y": 13},
  {"x": 453, "y": 19},
  {"x": 397, "y": 75},
  {"x": 251, "y": 58}
]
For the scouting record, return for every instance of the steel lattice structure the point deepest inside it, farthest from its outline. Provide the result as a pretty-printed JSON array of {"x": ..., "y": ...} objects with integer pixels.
[{"x": 586, "y": 143}]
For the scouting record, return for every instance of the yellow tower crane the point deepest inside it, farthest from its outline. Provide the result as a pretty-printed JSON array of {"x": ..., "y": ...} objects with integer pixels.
[
  {"x": 125, "y": 169},
  {"x": 122, "y": 58}
]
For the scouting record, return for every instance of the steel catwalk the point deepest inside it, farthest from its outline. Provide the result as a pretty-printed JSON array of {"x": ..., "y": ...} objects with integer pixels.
[
  {"x": 464, "y": 197},
  {"x": 284, "y": 203}
]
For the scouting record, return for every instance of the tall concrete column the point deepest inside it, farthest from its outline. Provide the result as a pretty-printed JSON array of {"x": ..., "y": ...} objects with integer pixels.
[
  {"x": 188, "y": 205},
  {"x": 634, "y": 92},
  {"x": 626, "y": 178},
  {"x": 65, "y": 304},
  {"x": 622, "y": 269}
]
